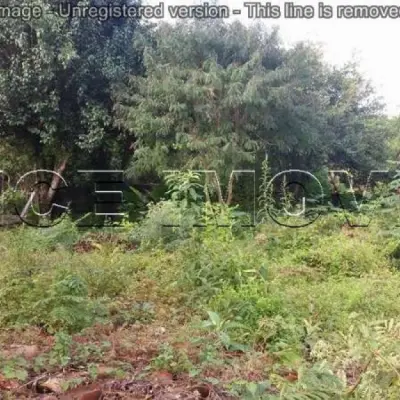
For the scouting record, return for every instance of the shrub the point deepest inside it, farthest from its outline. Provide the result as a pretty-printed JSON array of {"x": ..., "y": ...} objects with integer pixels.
[
  {"x": 343, "y": 255},
  {"x": 153, "y": 230},
  {"x": 262, "y": 310},
  {"x": 64, "y": 233},
  {"x": 217, "y": 261},
  {"x": 55, "y": 303}
]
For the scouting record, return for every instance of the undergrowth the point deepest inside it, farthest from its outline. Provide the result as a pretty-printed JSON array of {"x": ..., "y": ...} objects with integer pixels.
[{"x": 320, "y": 302}]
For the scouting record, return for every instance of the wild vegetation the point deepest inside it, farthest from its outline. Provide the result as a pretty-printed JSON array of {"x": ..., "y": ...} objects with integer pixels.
[{"x": 190, "y": 294}]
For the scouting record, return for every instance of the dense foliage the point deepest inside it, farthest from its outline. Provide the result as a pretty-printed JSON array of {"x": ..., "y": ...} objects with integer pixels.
[
  {"x": 198, "y": 94},
  {"x": 186, "y": 286}
]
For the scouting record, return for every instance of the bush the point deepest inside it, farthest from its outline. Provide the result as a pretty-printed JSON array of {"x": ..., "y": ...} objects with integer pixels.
[
  {"x": 343, "y": 255},
  {"x": 249, "y": 303},
  {"x": 215, "y": 261},
  {"x": 12, "y": 200},
  {"x": 63, "y": 234},
  {"x": 151, "y": 231},
  {"x": 262, "y": 310},
  {"x": 58, "y": 302}
]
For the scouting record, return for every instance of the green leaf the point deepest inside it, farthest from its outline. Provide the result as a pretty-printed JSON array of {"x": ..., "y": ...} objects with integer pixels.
[
  {"x": 252, "y": 387},
  {"x": 214, "y": 317}
]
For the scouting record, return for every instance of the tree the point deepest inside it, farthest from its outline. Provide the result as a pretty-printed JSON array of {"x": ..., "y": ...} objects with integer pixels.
[
  {"x": 218, "y": 96},
  {"x": 56, "y": 79},
  {"x": 357, "y": 131}
]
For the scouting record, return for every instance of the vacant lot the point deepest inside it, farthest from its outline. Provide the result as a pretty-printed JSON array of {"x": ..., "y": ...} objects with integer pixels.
[{"x": 298, "y": 313}]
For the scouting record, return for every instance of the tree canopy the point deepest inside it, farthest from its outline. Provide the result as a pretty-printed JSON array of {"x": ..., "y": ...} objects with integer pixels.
[
  {"x": 122, "y": 93},
  {"x": 216, "y": 95}
]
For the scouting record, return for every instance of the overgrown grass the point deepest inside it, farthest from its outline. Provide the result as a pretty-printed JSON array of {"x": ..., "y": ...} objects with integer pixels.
[{"x": 322, "y": 300}]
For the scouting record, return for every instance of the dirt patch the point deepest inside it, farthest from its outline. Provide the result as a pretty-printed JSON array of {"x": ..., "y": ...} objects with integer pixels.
[{"x": 182, "y": 388}]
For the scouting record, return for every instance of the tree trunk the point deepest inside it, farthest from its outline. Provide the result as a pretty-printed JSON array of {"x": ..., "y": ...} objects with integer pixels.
[
  {"x": 48, "y": 197},
  {"x": 56, "y": 180},
  {"x": 28, "y": 204}
]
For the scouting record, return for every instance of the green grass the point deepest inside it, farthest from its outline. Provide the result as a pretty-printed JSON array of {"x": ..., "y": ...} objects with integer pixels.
[{"x": 321, "y": 302}]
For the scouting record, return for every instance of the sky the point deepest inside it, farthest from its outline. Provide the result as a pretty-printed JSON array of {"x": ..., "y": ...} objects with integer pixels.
[{"x": 373, "y": 42}]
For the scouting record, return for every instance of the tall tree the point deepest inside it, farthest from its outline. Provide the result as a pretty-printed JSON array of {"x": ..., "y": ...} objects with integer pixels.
[
  {"x": 216, "y": 95},
  {"x": 357, "y": 131},
  {"x": 56, "y": 78}
]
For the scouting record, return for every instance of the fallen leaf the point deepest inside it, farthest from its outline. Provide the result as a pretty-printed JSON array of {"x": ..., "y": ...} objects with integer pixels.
[
  {"x": 93, "y": 395},
  {"x": 104, "y": 372},
  {"x": 52, "y": 384},
  {"x": 203, "y": 390},
  {"x": 7, "y": 384},
  {"x": 291, "y": 376},
  {"x": 27, "y": 352},
  {"x": 163, "y": 376}
]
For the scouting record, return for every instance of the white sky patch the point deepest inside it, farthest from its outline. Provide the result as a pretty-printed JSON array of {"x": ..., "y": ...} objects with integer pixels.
[{"x": 372, "y": 41}]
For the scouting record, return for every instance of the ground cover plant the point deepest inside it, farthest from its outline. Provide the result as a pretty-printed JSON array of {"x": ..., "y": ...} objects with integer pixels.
[{"x": 262, "y": 313}]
